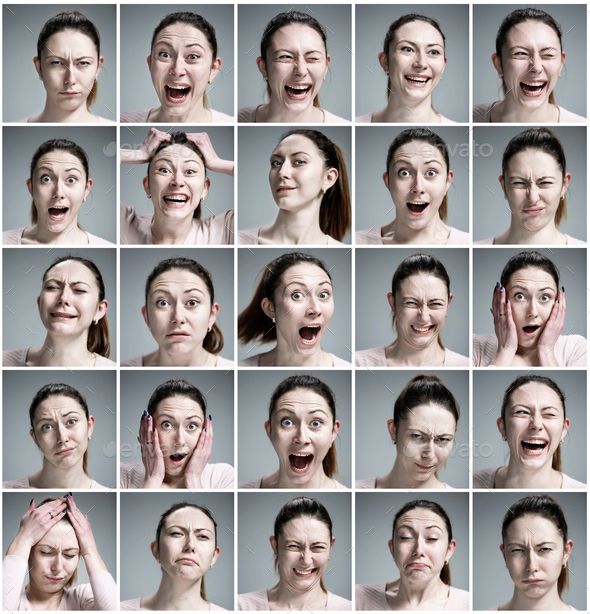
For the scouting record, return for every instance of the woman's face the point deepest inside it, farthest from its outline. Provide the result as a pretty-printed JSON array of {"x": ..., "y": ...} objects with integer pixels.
[
  {"x": 420, "y": 545},
  {"x": 303, "y": 307},
  {"x": 535, "y": 424},
  {"x": 295, "y": 66},
  {"x": 532, "y": 293},
  {"x": 418, "y": 180},
  {"x": 58, "y": 186},
  {"x": 62, "y": 431},
  {"x": 298, "y": 175},
  {"x": 176, "y": 183},
  {"x": 420, "y": 308},
  {"x": 424, "y": 440},
  {"x": 302, "y": 552},
  {"x": 54, "y": 559},
  {"x": 181, "y": 66},
  {"x": 533, "y": 185},
  {"x": 69, "y": 65},
  {"x": 301, "y": 430},
  {"x": 187, "y": 548},
  {"x": 535, "y": 554},
  {"x": 415, "y": 61},
  {"x": 68, "y": 303},
  {"x": 531, "y": 63},
  {"x": 179, "y": 421},
  {"x": 179, "y": 311}
]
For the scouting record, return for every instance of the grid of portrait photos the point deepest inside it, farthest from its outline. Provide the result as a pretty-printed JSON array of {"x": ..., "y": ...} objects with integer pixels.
[{"x": 296, "y": 296}]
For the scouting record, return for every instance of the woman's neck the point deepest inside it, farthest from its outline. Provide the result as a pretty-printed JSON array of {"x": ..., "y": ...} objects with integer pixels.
[
  {"x": 72, "y": 235},
  {"x": 516, "y": 475},
  {"x": 399, "y": 353},
  {"x": 198, "y": 113},
  {"x": 401, "y": 109},
  {"x": 517, "y": 235},
  {"x": 52, "y": 114},
  {"x": 297, "y": 227},
  {"x": 510, "y": 110},
  {"x": 276, "y": 112},
  {"x": 62, "y": 352},
  {"x": 406, "y": 595},
  {"x": 170, "y": 232},
  {"x": 398, "y": 478},
  {"x": 284, "y": 597},
  {"x": 283, "y": 356},
  {"x": 549, "y": 601},
  {"x": 281, "y": 479},
  {"x": 435, "y": 233},
  {"x": 53, "y": 477},
  {"x": 176, "y": 595},
  {"x": 199, "y": 357},
  {"x": 40, "y": 600}
]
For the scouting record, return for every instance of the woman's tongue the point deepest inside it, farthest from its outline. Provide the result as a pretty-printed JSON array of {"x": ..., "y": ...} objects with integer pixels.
[
  {"x": 308, "y": 334},
  {"x": 300, "y": 463}
]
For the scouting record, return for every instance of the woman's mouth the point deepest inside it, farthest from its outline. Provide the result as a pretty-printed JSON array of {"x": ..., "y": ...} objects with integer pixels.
[
  {"x": 534, "y": 447},
  {"x": 65, "y": 452},
  {"x": 423, "y": 330},
  {"x": 532, "y": 210},
  {"x": 531, "y": 329},
  {"x": 417, "y": 81},
  {"x": 61, "y": 315},
  {"x": 417, "y": 207},
  {"x": 179, "y": 335},
  {"x": 298, "y": 91},
  {"x": 178, "y": 458},
  {"x": 55, "y": 579},
  {"x": 175, "y": 201},
  {"x": 304, "y": 573},
  {"x": 300, "y": 463},
  {"x": 177, "y": 94},
  {"x": 309, "y": 334},
  {"x": 425, "y": 467},
  {"x": 533, "y": 89},
  {"x": 57, "y": 214}
]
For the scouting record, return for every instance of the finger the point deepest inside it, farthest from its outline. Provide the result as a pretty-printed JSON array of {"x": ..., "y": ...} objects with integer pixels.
[
  {"x": 156, "y": 442},
  {"x": 209, "y": 442},
  {"x": 142, "y": 424}
]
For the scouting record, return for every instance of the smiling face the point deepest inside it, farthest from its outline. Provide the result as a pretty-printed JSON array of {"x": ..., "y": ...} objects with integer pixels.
[
  {"x": 68, "y": 303},
  {"x": 54, "y": 559},
  {"x": 420, "y": 546},
  {"x": 295, "y": 66},
  {"x": 179, "y": 311},
  {"x": 176, "y": 183},
  {"x": 420, "y": 308},
  {"x": 298, "y": 175},
  {"x": 534, "y": 553},
  {"x": 181, "y": 66},
  {"x": 418, "y": 180},
  {"x": 303, "y": 307},
  {"x": 532, "y": 293},
  {"x": 302, "y": 553},
  {"x": 68, "y": 67},
  {"x": 415, "y": 61},
  {"x": 533, "y": 185},
  {"x": 534, "y": 425},
  {"x": 187, "y": 549},
  {"x": 531, "y": 63}
]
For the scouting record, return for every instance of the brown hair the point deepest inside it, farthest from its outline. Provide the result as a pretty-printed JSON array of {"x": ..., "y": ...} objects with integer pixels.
[
  {"x": 253, "y": 323},
  {"x": 308, "y": 382},
  {"x": 525, "y": 259},
  {"x": 174, "y": 388},
  {"x": 98, "y": 334}
]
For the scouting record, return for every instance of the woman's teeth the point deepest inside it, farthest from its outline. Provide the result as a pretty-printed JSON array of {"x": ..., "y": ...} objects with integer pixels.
[
  {"x": 176, "y": 95},
  {"x": 532, "y": 89},
  {"x": 308, "y": 334},
  {"x": 534, "y": 447},
  {"x": 303, "y": 574},
  {"x": 58, "y": 212},
  {"x": 417, "y": 206},
  {"x": 176, "y": 200},
  {"x": 422, "y": 330},
  {"x": 530, "y": 329},
  {"x": 417, "y": 81},
  {"x": 297, "y": 92}
]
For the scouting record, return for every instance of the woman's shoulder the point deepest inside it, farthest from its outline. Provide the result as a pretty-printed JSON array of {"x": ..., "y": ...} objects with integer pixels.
[
  {"x": 105, "y": 121},
  {"x": 484, "y": 478},
  {"x": 340, "y": 363},
  {"x": 573, "y": 241},
  {"x": 369, "y": 483},
  {"x": 371, "y": 596},
  {"x": 330, "y": 118},
  {"x": 133, "y": 362},
  {"x": 569, "y": 117},
  {"x": 103, "y": 361},
  {"x": 136, "y": 229},
  {"x": 446, "y": 120},
  {"x": 138, "y": 117},
  {"x": 20, "y": 483},
  {"x": 571, "y": 483},
  {"x": 15, "y": 358},
  {"x": 218, "y": 117},
  {"x": 131, "y": 475},
  {"x": 247, "y": 114},
  {"x": 367, "y": 118},
  {"x": 216, "y": 229},
  {"x": 335, "y": 602},
  {"x": 373, "y": 357},
  {"x": 458, "y": 237},
  {"x": 248, "y": 237},
  {"x": 481, "y": 112},
  {"x": 458, "y": 599},
  {"x": 94, "y": 485},
  {"x": 371, "y": 236},
  {"x": 218, "y": 476},
  {"x": 12, "y": 237},
  {"x": 571, "y": 350},
  {"x": 488, "y": 241},
  {"x": 224, "y": 363},
  {"x": 94, "y": 240},
  {"x": 252, "y": 483},
  {"x": 251, "y": 361},
  {"x": 454, "y": 359},
  {"x": 131, "y": 604},
  {"x": 256, "y": 600}
]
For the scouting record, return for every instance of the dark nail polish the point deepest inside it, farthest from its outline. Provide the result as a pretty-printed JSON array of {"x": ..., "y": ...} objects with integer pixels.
[
  {"x": 145, "y": 414},
  {"x": 497, "y": 285},
  {"x": 31, "y": 502},
  {"x": 562, "y": 289},
  {"x": 210, "y": 418},
  {"x": 204, "y": 430},
  {"x": 506, "y": 301},
  {"x": 149, "y": 416},
  {"x": 71, "y": 495}
]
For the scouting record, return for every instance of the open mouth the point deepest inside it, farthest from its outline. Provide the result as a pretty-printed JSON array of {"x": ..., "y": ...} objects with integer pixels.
[
  {"x": 178, "y": 457},
  {"x": 423, "y": 330},
  {"x": 176, "y": 200},
  {"x": 534, "y": 447},
  {"x": 300, "y": 463},
  {"x": 176, "y": 95},
  {"x": 417, "y": 80},
  {"x": 417, "y": 207},
  {"x": 309, "y": 334},
  {"x": 531, "y": 329},
  {"x": 304, "y": 573},
  {"x": 58, "y": 213},
  {"x": 533, "y": 89},
  {"x": 298, "y": 92}
]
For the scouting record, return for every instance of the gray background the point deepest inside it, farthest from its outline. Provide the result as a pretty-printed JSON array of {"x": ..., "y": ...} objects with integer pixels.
[
  {"x": 375, "y": 452},
  {"x": 98, "y": 214},
  {"x": 138, "y": 23},
  {"x": 23, "y": 278},
  {"x": 135, "y": 266},
  {"x": 140, "y": 514},
  {"x": 335, "y": 95},
  {"x": 491, "y": 215},
  {"x": 101, "y": 509},
  {"x": 488, "y": 391},
  {"x": 374, "y": 522},
  {"x": 374, "y": 271},
  {"x": 451, "y": 96},
  {"x": 570, "y": 91},
  {"x": 337, "y": 339},
  {"x": 217, "y": 388},
  {"x": 256, "y": 524},
  {"x": 257, "y": 456},
  {"x": 221, "y": 191},
  {"x": 21, "y": 27},
  {"x": 488, "y": 512},
  {"x": 487, "y": 268},
  {"x": 21, "y": 455},
  {"x": 255, "y": 202},
  {"x": 374, "y": 204}
]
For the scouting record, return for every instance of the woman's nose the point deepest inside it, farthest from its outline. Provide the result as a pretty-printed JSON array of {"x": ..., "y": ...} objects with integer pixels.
[
  {"x": 179, "y": 314},
  {"x": 533, "y": 193},
  {"x": 177, "y": 178},
  {"x": 536, "y": 63},
  {"x": 178, "y": 67},
  {"x": 419, "y": 59},
  {"x": 302, "y": 434},
  {"x": 418, "y": 186}
]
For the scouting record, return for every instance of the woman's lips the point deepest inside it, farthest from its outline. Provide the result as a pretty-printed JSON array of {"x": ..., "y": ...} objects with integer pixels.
[
  {"x": 300, "y": 463},
  {"x": 422, "y": 329},
  {"x": 61, "y": 315},
  {"x": 533, "y": 88},
  {"x": 65, "y": 452},
  {"x": 530, "y": 329},
  {"x": 177, "y": 94},
  {"x": 417, "y": 81},
  {"x": 417, "y": 208},
  {"x": 425, "y": 467},
  {"x": 309, "y": 335},
  {"x": 298, "y": 91},
  {"x": 304, "y": 573},
  {"x": 534, "y": 447}
]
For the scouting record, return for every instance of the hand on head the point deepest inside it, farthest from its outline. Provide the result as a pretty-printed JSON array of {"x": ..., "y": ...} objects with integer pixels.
[{"x": 151, "y": 453}]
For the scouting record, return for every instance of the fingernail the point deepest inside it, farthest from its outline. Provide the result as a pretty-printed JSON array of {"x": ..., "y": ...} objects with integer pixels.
[
  {"x": 145, "y": 414},
  {"x": 562, "y": 289},
  {"x": 149, "y": 416},
  {"x": 506, "y": 301},
  {"x": 70, "y": 494},
  {"x": 154, "y": 430},
  {"x": 497, "y": 285},
  {"x": 31, "y": 502},
  {"x": 501, "y": 287},
  {"x": 210, "y": 418}
]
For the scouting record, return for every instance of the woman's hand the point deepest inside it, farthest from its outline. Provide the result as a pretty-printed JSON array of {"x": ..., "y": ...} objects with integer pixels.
[
  {"x": 200, "y": 457},
  {"x": 151, "y": 454},
  {"x": 146, "y": 150},
  {"x": 212, "y": 161},
  {"x": 504, "y": 327},
  {"x": 553, "y": 328},
  {"x": 85, "y": 536}
]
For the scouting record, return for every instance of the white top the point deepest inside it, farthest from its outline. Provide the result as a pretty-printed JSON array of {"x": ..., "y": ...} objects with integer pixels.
[
  {"x": 373, "y": 597},
  {"x": 18, "y": 358},
  {"x": 141, "y": 117},
  {"x": 257, "y": 483},
  {"x": 250, "y": 237},
  {"x": 481, "y": 113},
  {"x": 373, "y": 237},
  {"x": 252, "y": 361},
  {"x": 24, "y": 483},
  {"x": 218, "y": 476},
  {"x": 136, "y": 229},
  {"x": 568, "y": 241},
  {"x": 569, "y": 350},
  {"x": 14, "y": 237},
  {"x": 100, "y": 594},
  {"x": 221, "y": 363},
  {"x": 258, "y": 600},
  {"x": 248, "y": 114},
  {"x": 367, "y": 118},
  {"x": 375, "y": 357},
  {"x": 486, "y": 478},
  {"x": 134, "y": 604},
  {"x": 99, "y": 120},
  {"x": 370, "y": 483}
]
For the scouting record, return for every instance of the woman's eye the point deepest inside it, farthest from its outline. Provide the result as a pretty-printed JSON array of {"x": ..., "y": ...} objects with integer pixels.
[
  {"x": 71, "y": 180},
  {"x": 518, "y": 184},
  {"x": 166, "y": 425},
  {"x": 193, "y": 302},
  {"x": 520, "y": 54},
  {"x": 431, "y": 172},
  {"x": 83, "y": 63},
  {"x": 164, "y": 170},
  {"x": 69, "y": 556},
  {"x": 46, "y": 427},
  {"x": 190, "y": 172},
  {"x": 518, "y": 296},
  {"x": 284, "y": 57},
  {"x": 275, "y": 163},
  {"x": 316, "y": 424},
  {"x": 406, "y": 49},
  {"x": 410, "y": 304},
  {"x": 203, "y": 538},
  {"x": 416, "y": 436},
  {"x": 161, "y": 302},
  {"x": 45, "y": 179},
  {"x": 55, "y": 62},
  {"x": 163, "y": 54},
  {"x": 286, "y": 422},
  {"x": 403, "y": 172},
  {"x": 193, "y": 57},
  {"x": 297, "y": 296},
  {"x": 324, "y": 295},
  {"x": 545, "y": 298},
  {"x": 435, "y": 52},
  {"x": 72, "y": 422},
  {"x": 521, "y": 412},
  {"x": 299, "y": 162},
  {"x": 443, "y": 441},
  {"x": 192, "y": 426}
]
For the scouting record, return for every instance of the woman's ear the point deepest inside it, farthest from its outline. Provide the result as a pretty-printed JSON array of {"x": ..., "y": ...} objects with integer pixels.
[
  {"x": 144, "y": 313},
  {"x": 268, "y": 308},
  {"x": 100, "y": 65},
  {"x": 273, "y": 544},
  {"x": 261, "y": 66},
  {"x": 155, "y": 550},
  {"x": 34, "y": 437},
  {"x": 267, "y": 428},
  {"x": 383, "y": 61},
  {"x": 90, "y": 426},
  {"x": 392, "y": 429},
  {"x": 497, "y": 62},
  {"x": 37, "y": 63},
  {"x": 146, "y": 186},
  {"x": 501, "y": 427},
  {"x": 391, "y": 301}
]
